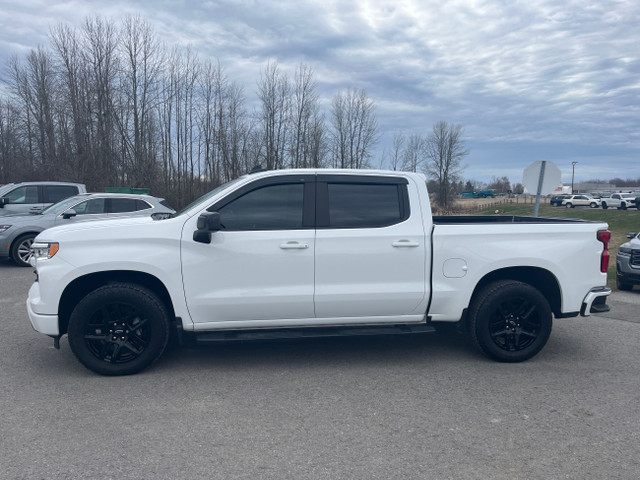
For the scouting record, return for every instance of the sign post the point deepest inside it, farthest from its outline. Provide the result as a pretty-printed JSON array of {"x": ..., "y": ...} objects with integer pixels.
[{"x": 541, "y": 177}]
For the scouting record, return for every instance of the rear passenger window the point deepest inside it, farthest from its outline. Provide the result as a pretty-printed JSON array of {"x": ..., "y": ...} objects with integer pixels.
[
  {"x": 122, "y": 205},
  {"x": 142, "y": 205},
  {"x": 360, "y": 205},
  {"x": 55, "y": 193}
]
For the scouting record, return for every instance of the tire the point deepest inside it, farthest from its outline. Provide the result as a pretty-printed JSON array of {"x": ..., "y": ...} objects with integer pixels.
[
  {"x": 510, "y": 321},
  {"x": 21, "y": 250},
  {"x": 593, "y": 205},
  {"x": 604, "y": 206},
  {"x": 621, "y": 285},
  {"x": 569, "y": 205},
  {"x": 623, "y": 206},
  {"x": 119, "y": 329}
]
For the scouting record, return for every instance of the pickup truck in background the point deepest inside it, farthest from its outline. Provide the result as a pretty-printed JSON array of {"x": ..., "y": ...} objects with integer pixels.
[{"x": 307, "y": 253}]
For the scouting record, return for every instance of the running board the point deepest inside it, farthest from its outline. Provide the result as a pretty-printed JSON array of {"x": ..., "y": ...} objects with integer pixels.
[{"x": 311, "y": 332}]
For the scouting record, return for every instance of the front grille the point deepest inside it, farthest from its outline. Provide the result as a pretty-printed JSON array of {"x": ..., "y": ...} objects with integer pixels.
[{"x": 635, "y": 258}]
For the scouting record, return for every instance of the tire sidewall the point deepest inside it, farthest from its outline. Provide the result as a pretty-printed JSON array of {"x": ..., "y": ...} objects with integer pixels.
[
  {"x": 15, "y": 247},
  {"x": 145, "y": 301},
  {"x": 486, "y": 305}
]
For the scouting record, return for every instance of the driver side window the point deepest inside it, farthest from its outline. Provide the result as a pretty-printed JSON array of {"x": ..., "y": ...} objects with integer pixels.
[{"x": 273, "y": 207}]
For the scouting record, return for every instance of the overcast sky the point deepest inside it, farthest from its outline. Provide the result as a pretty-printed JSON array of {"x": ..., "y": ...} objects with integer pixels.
[{"x": 528, "y": 80}]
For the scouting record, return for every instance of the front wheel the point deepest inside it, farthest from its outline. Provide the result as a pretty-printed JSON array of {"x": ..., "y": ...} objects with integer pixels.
[
  {"x": 21, "y": 250},
  {"x": 510, "y": 321},
  {"x": 569, "y": 205},
  {"x": 593, "y": 205},
  {"x": 119, "y": 329},
  {"x": 623, "y": 206},
  {"x": 604, "y": 206}
]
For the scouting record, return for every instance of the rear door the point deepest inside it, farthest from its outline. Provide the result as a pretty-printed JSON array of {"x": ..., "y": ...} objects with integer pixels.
[{"x": 370, "y": 248}]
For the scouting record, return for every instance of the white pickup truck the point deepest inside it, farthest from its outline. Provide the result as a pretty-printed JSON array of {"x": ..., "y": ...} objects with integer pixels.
[{"x": 304, "y": 253}]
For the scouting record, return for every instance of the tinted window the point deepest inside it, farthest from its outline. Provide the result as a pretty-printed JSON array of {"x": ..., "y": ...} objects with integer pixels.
[
  {"x": 122, "y": 205},
  {"x": 26, "y": 194},
  {"x": 363, "y": 205},
  {"x": 90, "y": 207},
  {"x": 142, "y": 205},
  {"x": 55, "y": 193},
  {"x": 273, "y": 207}
]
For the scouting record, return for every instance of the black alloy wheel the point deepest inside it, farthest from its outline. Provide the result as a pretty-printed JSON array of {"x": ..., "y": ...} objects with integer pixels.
[
  {"x": 510, "y": 321},
  {"x": 119, "y": 329}
]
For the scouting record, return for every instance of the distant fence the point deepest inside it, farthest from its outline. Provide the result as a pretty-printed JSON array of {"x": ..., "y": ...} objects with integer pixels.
[{"x": 461, "y": 208}]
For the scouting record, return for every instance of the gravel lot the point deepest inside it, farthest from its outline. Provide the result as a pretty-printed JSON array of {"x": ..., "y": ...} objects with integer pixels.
[{"x": 374, "y": 408}]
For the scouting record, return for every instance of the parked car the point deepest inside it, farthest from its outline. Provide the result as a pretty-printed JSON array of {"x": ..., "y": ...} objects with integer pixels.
[
  {"x": 18, "y": 231},
  {"x": 628, "y": 263},
  {"x": 556, "y": 200},
  {"x": 26, "y": 197},
  {"x": 620, "y": 201},
  {"x": 582, "y": 200}
]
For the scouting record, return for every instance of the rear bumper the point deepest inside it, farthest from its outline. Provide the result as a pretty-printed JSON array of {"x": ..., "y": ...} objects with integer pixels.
[{"x": 595, "y": 301}]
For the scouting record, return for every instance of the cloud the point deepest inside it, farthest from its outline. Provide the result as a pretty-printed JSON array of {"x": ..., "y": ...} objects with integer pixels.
[{"x": 550, "y": 78}]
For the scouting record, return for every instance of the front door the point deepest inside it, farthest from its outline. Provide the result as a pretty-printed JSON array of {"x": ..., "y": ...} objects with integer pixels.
[{"x": 259, "y": 269}]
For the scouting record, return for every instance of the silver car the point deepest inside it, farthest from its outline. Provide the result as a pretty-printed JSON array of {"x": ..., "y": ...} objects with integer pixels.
[{"x": 18, "y": 231}]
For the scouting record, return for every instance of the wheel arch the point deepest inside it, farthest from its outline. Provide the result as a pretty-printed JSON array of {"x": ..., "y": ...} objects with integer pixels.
[
  {"x": 539, "y": 278},
  {"x": 85, "y": 284}
]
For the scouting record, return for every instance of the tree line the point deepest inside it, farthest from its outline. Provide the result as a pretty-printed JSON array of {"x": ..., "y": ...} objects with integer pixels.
[{"x": 107, "y": 104}]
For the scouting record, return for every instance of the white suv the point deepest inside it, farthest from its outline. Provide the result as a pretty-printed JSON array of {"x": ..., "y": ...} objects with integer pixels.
[
  {"x": 621, "y": 201},
  {"x": 582, "y": 200}
]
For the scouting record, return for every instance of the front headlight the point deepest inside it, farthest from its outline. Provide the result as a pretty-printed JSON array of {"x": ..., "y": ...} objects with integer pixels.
[
  {"x": 44, "y": 250},
  {"x": 4, "y": 228}
]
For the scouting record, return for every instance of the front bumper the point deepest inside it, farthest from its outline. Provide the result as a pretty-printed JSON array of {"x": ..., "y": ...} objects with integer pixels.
[
  {"x": 595, "y": 301},
  {"x": 43, "y": 323}
]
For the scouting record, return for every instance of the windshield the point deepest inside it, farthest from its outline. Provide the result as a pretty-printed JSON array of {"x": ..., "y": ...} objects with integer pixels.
[
  {"x": 206, "y": 196},
  {"x": 61, "y": 206},
  {"x": 5, "y": 188}
]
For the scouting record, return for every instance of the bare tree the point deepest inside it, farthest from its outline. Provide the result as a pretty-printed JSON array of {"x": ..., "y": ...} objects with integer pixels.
[
  {"x": 274, "y": 92},
  {"x": 397, "y": 149},
  {"x": 413, "y": 153},
  {"x": 444, "y": 150},
  {"x": 355, "y": 129}
]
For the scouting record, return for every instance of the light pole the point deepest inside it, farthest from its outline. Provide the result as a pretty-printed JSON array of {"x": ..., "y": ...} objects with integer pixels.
[{"x": 573, "y": 173}]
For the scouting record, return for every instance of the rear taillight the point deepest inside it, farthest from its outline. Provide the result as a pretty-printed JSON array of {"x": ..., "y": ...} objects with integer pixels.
[{"x": 604, "y": 236}]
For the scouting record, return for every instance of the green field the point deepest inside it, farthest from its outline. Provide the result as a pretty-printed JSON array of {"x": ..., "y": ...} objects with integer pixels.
[{"x": 621, "y": 222}]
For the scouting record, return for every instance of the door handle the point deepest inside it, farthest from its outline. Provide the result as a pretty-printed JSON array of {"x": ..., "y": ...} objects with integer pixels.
[
  {"x": 405, "y": 243},
  {"x": 293, "y": 246}
]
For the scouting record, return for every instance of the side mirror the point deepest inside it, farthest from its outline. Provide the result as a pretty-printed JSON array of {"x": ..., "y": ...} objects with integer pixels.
[
  {"x": 3, "y": 201},
  {"x": 69, "y": 213},
  {"x": 208, "y": 223}
]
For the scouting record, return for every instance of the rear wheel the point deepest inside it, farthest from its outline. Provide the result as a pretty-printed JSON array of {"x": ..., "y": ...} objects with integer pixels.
[
  {"x": 510, "y": 321},
  {"x": 21, "y": 249},
  {"x": 623, "y": 206},
  {"x": 604, "y": 205},
  {"x": 119, "y": 329}
]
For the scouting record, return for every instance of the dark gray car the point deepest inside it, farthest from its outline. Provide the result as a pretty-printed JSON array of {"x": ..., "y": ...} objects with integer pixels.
[
  {"x": 628, "y": 263},
  {"x": 18, "y": 231}
]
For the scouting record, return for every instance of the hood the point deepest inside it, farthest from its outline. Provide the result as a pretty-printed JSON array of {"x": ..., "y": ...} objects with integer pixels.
[{"x": 99, "y": 228}]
